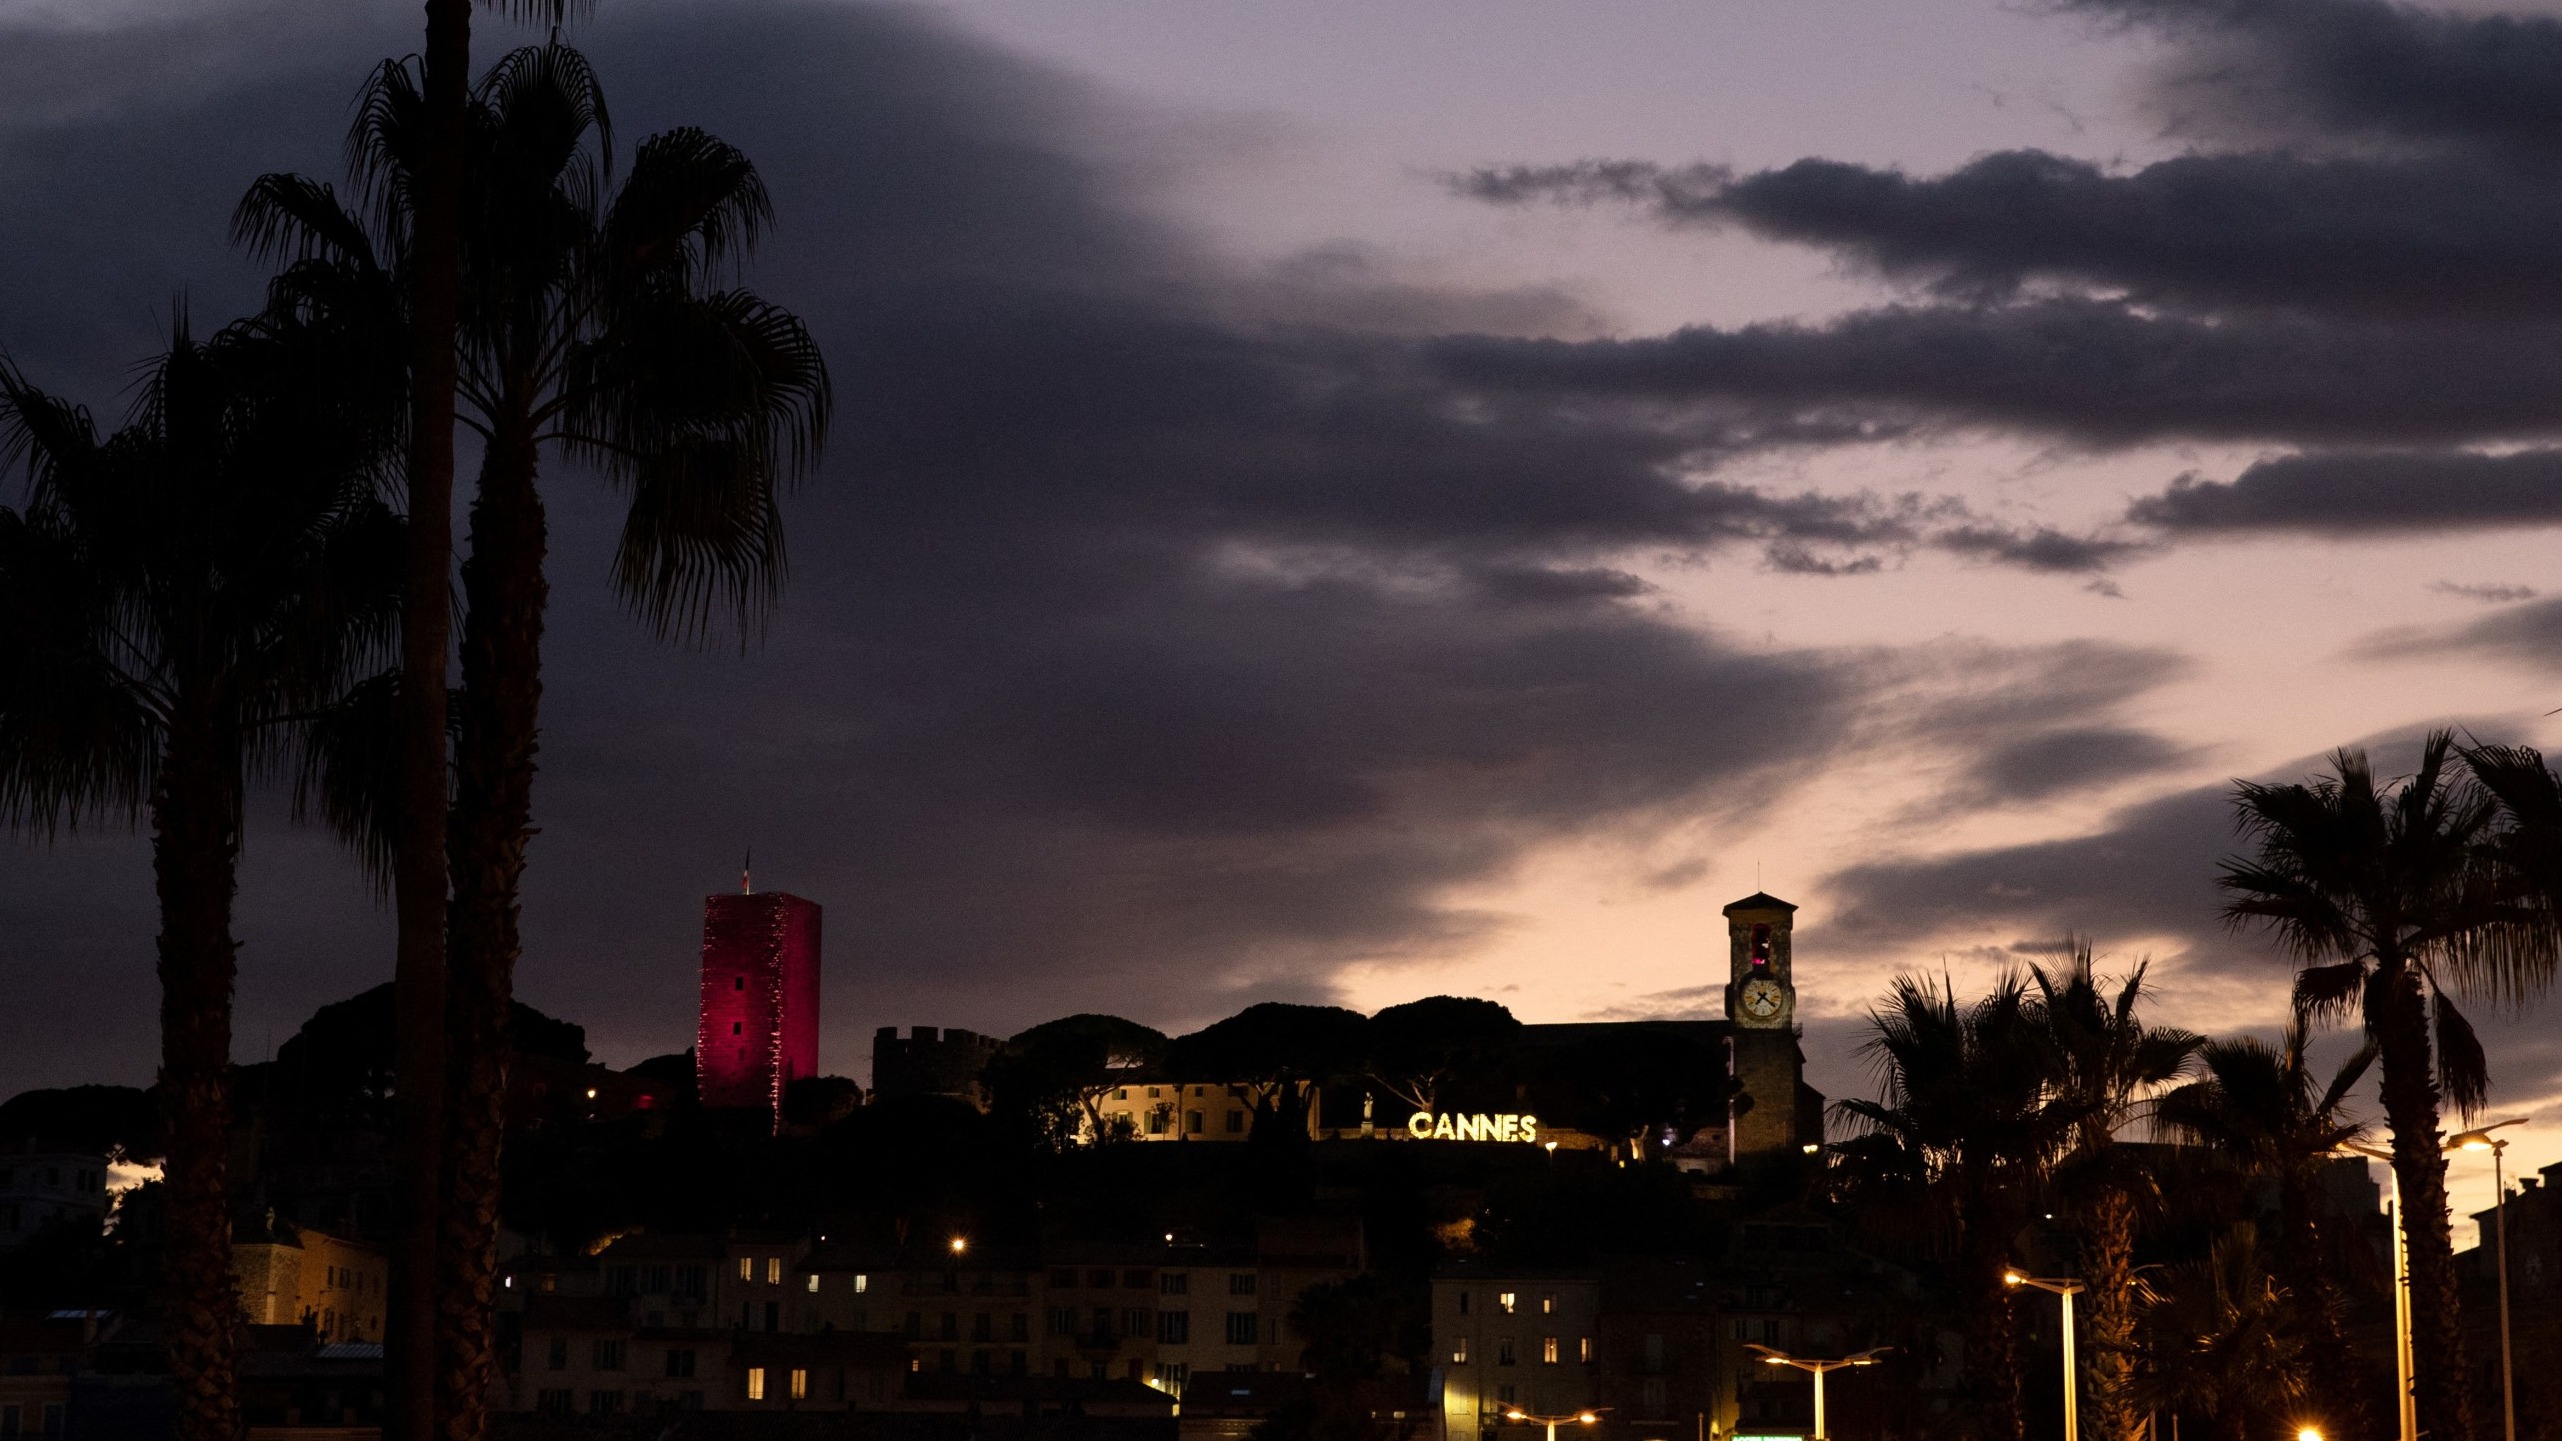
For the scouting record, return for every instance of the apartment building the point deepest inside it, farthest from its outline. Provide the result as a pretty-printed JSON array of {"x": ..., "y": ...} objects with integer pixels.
[{"x": 1513, "y": 1340}]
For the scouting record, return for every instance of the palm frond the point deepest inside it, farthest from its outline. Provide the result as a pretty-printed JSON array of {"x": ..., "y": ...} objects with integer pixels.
[{"x": 2463, "y": 1071}]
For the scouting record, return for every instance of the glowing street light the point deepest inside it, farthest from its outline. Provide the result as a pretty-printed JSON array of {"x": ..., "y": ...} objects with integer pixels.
[
  {"x": 2403, "y": 1367},
  {"x": 2067, "y": 1289},
  {"x": 1578, "y": 1418},
  {"x": 960, "y": 1245},
  {"x": 2481, "y": 1139},
  {"x": 2309, "y": 1433},
  {"x": 1771, "y": 1357}
]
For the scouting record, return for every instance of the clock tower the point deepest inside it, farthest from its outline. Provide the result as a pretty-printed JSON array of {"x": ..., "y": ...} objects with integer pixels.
[{"x": 1761, "y": 1007}]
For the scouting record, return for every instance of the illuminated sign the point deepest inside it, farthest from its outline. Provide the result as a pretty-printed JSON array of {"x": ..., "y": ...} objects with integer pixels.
[{"x": 1425, "y": 1126}]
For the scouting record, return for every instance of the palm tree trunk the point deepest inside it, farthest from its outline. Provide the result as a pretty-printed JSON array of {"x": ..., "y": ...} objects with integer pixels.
[
  {"x": 2307, "y": 1273},
  {"x": 2441, "y": 1380},
  {"x": 2108, "y": 1269},
  {"x": 1991, "y": 1371},
  {"x": 494, "y": 765},
  {"x": 418, "y": 861},
  {"x": 195, "y": 858}
]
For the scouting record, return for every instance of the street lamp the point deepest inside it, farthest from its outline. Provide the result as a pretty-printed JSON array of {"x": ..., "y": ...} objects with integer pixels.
[
  {"x": 2481, "y": 1139},
  {"x": 960, "y": 1245},
  {"x": 1817, "y": 1369},
  {"x": 1579, "y": 1418},
  {"x": 2067, "y": 1289},
  {"x": 2402, "y": 1364}
]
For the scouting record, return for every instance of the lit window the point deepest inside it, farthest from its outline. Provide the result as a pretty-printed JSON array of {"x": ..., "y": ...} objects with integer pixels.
[
  {"x": 813, "y": 1283},
  {"x": 1584, "y": 1351},
  {"x": 1507, "y": 1301},
  {"x": 773, "y": 1270},
  {"x": 1547, "y": 1305},
  {"x": 747, "y": 1268},
  {"x": 755, "y": 1383},
  {"x": 800, "y": 1384},
  {"x": 1548, "y": 1350},
  {"x": 1459, "y": 1352},
  {"x": 862, "y": 1284}
]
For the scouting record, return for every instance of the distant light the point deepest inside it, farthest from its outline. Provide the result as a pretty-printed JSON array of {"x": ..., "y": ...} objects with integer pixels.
[
  {"x": 1587, "y": 1418},
  {"x": 1512, "y": 1416},
  {"x": 2308, "y": 1434},
  {"x": 2012, "y": 1278},
  {"x": 960, "y": 1244},
  {"x": 1552, "y": 1147},
  {"x": 591, "y": 1093},
  {"x": 1813, "y": 1146},
  {"x": 1774, "y": 1360}
]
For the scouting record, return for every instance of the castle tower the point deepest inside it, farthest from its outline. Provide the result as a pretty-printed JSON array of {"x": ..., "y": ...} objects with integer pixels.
[
  {"x": 758, "y": 1030},
  {"x": 1761, "y": 1006}
]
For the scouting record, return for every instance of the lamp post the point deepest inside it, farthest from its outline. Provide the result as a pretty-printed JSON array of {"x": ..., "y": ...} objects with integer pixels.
[
  {"x": 2474, "y": 1140},
  {"x": 1817, "y": 1369},
  {"x": 2067, "y": 1289},
  {"x": 2481, "y": 1139},
  {"x": 1579, "y": 1418}
]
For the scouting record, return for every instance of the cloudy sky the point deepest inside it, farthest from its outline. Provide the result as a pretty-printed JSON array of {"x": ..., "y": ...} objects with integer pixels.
[{"x": 1345, "y": 501}]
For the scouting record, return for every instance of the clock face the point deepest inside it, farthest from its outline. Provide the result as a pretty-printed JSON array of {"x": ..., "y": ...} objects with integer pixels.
[{"x": 1761, "y": 998}]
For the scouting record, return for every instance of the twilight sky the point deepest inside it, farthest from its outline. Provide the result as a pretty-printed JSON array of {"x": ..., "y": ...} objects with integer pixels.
[{"x": 1347, "y": 501}]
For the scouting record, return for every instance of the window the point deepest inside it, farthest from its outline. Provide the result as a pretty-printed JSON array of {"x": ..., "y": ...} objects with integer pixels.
[
  {"x": 982, "y": 1327},
  {"x": 1770, "y": 1330},
  {"x": 1236, "y": 1122},
  {"x": 862, "y": 1283},
  {"x": 654, "y": 1280},
  {"x": 1463, "y": 1303},
  {"x": 689, "y": 1282},
  {"x": 1503, "y": 1351},
  {"x": 1548, "y": 1350},
  {"x": 915, "y": 1329},
  {"x": 1174, "y": 1328},
  {"x": 1655, "y": 1398},
  {"x": 605, "y": 1354},
  {"x": 1156, "y": 1121},
  {"x": 556, "y": 1403},
  {"x": 1102, "y": 1323},
  {"x": 951, "y": 1326},
  {"x": 773, "y": 1270},
  {"x": 1459, "y": 1352},
  {"x": 1583, "y": 1350},
  {"x": 747, "y": 1268},
  {"x": 737, "y": 1029},
  {"x": 1020, "y": 1328},
  {"x": 1135, "y": 1280},
  {"x": 755, "y": 1383},
  {"x": 1243, "y": 1328},
  {"x": 1121, "y": 1093},
  {"x": 1174, "y": 1283},
  {"x": 680, "y": 1362},
  {"x": 1547, "y": 1305},
  {"x": 604, "y": 1403},
  {"x": 1100, "y": 1276},
  {"x": 800, "y": 1384},
  {"x": 1192, "y": 1122},
  {"x": 1137, "y": 1322},
  {"x": 1508, "y": 1302},
  {"x": 1654, "y": 1348},
  {"x": 1505, "y": 1394},
  {"x": 1241, "y": 1283},
  {"x": 556, "y": 1357},
  {"x": 813, "y": 1287},
  {"x": 8, "y": 1414},
  {"x": 738, "y": 983}
]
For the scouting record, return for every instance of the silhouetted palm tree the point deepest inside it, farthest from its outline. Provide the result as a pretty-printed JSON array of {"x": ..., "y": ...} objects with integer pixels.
[
  {"x": 2227, "y": 1344},
  {"x": 1953, "y": 1149},
  {"x": 173, "y": 599},
  {"x": 2262, "y": 1109},
  {"x": 2105, "y": 1063},
  {"x": 592, "y": 324},
  {"x": 2393, "y": 896}
]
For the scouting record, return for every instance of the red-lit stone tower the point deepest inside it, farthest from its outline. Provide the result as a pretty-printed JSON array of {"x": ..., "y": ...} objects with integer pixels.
[{"x": 759, "y": 1027}]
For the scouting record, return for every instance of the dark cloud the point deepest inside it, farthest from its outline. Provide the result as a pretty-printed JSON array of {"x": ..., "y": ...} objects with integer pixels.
[
  {"x": 2062, "y": 761},
  {"x": 1139, "y": 653},
  {"x": 2102, "y": 373},
  {"x": 2488, "y": 592},
  {"x": 2356, "y": 234},
  {"x": 2347, "y": 492}
]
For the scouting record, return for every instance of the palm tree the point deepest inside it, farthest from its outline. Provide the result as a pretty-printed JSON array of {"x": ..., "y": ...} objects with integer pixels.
[
  {"x": 2391, "y": 896},
  {"x": 592, "y": 324},
  {"x": 2227, "y": 1343},
  {"x": 2105, "y": 1062},
  {"x": 173, "y": 598},
  {"x": 2262, "y": 1109},
  {"x": 1952, "y": 1150}
]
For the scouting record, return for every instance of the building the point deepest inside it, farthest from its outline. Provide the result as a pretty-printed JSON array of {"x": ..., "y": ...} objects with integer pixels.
[
  {"x": 39, "y": 1189},
  {"x": 1513, "y": 1339},
  {"x": 1156, "y": 1109},
  {"x": 930, "y": 1062},
  {"x": 297, "y": 1276},
  {"x": 758, "y": 1030}
]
